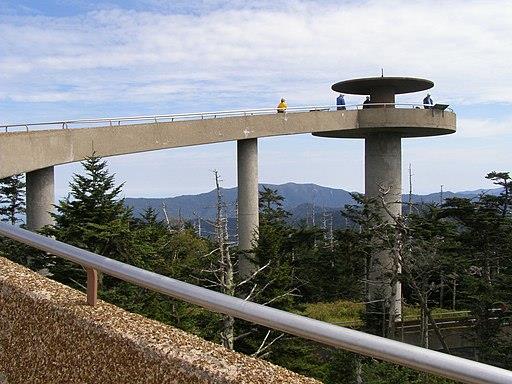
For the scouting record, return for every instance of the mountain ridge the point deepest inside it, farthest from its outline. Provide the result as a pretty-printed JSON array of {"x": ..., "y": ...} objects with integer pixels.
[{"x": 296, "y": 197}]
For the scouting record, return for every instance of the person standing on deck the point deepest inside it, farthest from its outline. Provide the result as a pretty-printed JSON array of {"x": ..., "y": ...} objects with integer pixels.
[
  {"x": 340, "y": 102},
  {"x": 427, "y": 102}
]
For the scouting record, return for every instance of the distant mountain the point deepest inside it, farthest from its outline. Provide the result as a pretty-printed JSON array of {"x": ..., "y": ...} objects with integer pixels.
[{"x": 302, "y": 200}]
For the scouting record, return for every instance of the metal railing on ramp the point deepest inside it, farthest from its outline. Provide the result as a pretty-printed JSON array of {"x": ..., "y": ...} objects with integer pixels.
[{"x": 117, "y": 121}]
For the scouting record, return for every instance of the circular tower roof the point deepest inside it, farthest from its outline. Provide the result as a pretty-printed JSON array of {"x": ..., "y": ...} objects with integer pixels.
[{"x": 368, "y": 85}]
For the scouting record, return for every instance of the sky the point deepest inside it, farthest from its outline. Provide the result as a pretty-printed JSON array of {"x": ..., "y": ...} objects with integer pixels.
[{"x": 67, "y": 59}]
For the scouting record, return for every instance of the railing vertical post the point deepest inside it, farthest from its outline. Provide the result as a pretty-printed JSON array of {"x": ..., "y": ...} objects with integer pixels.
[{"x": 92, "y": 286}]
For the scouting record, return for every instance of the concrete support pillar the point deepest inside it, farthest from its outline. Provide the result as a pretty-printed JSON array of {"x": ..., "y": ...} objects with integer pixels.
[
  {"x": 383, "y": 95},
  {"x": 383, "y": 173},
  {"x": 40, "y": 198},
  {"x": 248, "y": 212}
]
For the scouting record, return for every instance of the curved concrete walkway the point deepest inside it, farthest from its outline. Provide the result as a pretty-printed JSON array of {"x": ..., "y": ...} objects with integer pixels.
[
  {"x": 22, "y": 152},
  {"x": 37, "y": 152}
]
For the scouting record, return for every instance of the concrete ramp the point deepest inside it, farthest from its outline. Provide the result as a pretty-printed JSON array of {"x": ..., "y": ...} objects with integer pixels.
[{"x": 48, "y": 335}]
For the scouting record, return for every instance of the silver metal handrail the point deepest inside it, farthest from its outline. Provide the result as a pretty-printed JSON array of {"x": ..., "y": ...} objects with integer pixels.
[
  {"x": 65, "y": 124},
  {"x": 355, "y": 341}
]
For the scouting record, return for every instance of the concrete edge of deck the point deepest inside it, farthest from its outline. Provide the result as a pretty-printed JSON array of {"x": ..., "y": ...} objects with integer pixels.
[{"x": 48, "y": 335}]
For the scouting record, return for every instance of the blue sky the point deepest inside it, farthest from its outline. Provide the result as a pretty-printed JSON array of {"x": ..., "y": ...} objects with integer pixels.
[{"x": 73, "y": 58}]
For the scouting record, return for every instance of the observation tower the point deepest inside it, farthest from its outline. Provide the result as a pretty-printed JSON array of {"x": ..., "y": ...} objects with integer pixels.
[{"x": 383, "y": 124}]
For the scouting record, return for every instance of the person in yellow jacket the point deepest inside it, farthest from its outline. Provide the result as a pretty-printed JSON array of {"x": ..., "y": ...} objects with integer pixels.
[{"x": 281, "y": 108}]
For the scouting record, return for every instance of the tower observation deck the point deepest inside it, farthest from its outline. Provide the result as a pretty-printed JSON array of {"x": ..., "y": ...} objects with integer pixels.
[{"x": 382, "y": 124}]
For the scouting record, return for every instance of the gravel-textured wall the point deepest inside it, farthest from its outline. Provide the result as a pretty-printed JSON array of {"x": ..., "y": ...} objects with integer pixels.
[{"x": 48, "y": 335}]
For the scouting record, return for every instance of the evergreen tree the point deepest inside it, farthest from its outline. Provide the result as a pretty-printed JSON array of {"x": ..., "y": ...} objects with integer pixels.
[
  {"x": 372, "y": 235},
  {"x": 430, "y": 252},
  {"x": 503, "y": 202},
  {"x": 12, "y": 206},
  {"x": 92, "y": 217},
  {"x": 271, "y": 206},
  {"x": 273, "y": 249},
  {"x": 179, "y": 254},
  {"x": 12, "y": 198},
  {"x": 485, "y": 233}
]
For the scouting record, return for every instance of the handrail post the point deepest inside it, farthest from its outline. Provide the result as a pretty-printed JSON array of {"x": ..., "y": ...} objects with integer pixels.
[{"x": 92, "y": 286}]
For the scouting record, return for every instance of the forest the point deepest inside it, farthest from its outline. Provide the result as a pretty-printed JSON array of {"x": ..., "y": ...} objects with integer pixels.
[{"x": 451, "y": 259}]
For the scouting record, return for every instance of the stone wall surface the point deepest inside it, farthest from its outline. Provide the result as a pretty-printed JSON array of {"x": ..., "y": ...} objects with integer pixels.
[{"x": 49, "y": 335}]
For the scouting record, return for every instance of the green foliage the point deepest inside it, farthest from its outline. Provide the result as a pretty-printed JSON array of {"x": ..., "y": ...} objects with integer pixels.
[
  {"x": 271, "y": 206},
  {"x": 159, "y": 307},
  {"x": 12, "y": 198},
  {"x": 350, "y": 313},
  {"x": 341, "y": 311},
  {"x": 327, "y": 364},
  {"x": 375, "y": 372},
  {"x": 503, "y": 202},
  {"x": 338, "y": 272},
  {"x": 271, "y": 249},
  {"x": 22, "y": 254},
  {"x": 466, "y": 241},
  {"x": 12, "y": 206},
  {"x": 92, "y": 217},
  {"x": 485, "y": 228},
  {"x": 153, "y": 246}
]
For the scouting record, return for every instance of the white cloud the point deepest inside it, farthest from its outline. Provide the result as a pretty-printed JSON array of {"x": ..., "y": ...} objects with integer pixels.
[
  {"x": 163, "y": 56},
  {"x": 475, "y": 128},
  {"x": 298, "y": 49}
]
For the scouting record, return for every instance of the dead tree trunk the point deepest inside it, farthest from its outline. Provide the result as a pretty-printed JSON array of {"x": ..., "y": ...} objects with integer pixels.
[{"x": 226, "y": 276}]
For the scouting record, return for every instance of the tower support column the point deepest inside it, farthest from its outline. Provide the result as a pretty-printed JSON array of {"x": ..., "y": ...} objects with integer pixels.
[
  {"x": 40, "y": 198},
  {"x": 248, "y": 210},
  {"x": 383, "y": 178}
]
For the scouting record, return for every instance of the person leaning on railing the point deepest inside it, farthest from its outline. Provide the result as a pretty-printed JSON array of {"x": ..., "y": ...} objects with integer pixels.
[{"x": 281, "y": 107}]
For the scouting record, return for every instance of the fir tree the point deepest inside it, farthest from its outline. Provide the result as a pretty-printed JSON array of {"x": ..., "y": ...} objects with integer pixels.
[
  {"x": 271, "y": 206},
  {"x": 92, "y": 217},
  {"x": 485, "y": 228},
  {"x": 502, "y": 202},
  {"x": 12, "y": 206},
  {"x": 12, "y": 198}
]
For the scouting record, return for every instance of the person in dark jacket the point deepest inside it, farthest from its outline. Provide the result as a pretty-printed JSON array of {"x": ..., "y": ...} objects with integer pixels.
[
  {"x": 427, "y": 102},
  {"x": 367, "y": 102},
  {"x": 340, "y": 102}
]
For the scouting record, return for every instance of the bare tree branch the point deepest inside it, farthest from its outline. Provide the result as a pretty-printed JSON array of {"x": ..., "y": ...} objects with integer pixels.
[
  {"x": 288, "y": 293},
  {"x": 253, "y": 275}
]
